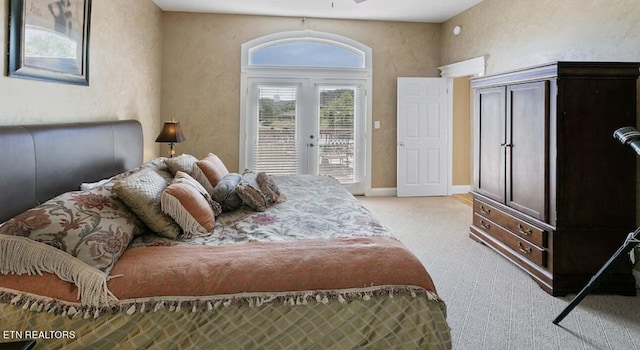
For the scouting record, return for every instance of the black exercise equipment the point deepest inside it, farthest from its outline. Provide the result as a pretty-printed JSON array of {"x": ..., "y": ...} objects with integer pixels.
[{"x": 631, "y": 137}]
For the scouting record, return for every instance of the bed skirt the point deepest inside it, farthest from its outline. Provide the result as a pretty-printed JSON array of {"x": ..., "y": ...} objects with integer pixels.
[{"x": 368, "y": 318}]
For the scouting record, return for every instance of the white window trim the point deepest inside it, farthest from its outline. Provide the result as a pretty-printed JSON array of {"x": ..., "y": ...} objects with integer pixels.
[{"x": 251, "y": 72}]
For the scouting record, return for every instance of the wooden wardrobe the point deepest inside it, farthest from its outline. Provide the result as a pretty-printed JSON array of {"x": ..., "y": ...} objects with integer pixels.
[{"x": 553, "y": 191}]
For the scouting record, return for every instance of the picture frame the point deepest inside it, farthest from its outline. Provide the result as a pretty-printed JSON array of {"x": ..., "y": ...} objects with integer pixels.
[{"x": 49, "y": 40}]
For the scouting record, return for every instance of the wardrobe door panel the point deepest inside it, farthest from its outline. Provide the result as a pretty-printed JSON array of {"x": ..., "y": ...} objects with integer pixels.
[
  {"x": 489, "y": 139},
  {"x": 527, "y": 148}
]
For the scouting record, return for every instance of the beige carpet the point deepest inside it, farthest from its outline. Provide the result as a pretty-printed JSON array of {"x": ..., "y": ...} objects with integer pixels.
[{"x": 491, "y": 303}]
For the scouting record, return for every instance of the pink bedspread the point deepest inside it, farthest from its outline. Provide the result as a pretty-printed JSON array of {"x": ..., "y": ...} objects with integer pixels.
[{"x": 334, "y": 264}]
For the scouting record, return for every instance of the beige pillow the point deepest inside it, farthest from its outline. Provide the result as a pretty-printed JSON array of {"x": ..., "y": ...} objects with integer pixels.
[
  {"x": 183, "y": 162},
  {"x": 209, "y": 171},
  {"x": 189, "y": 204},
  {"x": 141, "y": 192},
  {"x": 157, "y": 163}
]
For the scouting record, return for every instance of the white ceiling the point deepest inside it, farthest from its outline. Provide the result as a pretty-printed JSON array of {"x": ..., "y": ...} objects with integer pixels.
[{"x": 432, "y": 11}]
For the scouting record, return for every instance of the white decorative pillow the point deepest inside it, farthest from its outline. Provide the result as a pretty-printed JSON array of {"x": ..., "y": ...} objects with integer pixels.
[
  {"x": 141, "y": 192},
  {"x": 189, "y": 204},
  {"x": 86, "y": 186}
]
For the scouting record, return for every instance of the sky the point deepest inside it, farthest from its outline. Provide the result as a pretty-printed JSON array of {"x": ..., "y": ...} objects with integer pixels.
[{"x": 306, "y": 54}]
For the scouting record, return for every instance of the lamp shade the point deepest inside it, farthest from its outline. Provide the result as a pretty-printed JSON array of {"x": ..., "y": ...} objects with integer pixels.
[{"x": 171, "y": 132}]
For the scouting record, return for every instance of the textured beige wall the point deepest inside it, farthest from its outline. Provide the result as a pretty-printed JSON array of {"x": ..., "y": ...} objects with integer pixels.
[
  {"x": 461, "y": 161},
  {"x": 201, "y": 76},
  {"x": 124, "y": 74},
  {"x": 519, "y": 33}
]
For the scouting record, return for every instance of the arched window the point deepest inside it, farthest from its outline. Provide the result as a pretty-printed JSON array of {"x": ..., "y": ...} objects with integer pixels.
[
  {"x": 306, "y": 106},
  {"x": 306, "y": 53},
  {"x": 306, "y": 48}
]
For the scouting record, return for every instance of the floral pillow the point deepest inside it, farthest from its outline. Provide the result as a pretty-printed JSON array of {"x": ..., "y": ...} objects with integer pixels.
[{"x": 93, "y": 226}]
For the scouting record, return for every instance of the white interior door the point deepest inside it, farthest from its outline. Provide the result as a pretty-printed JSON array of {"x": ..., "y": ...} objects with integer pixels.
[{"x": 422, "y": 137}]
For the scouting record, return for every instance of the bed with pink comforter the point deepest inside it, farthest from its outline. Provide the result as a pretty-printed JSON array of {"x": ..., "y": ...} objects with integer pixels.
[{"x": 316, "y": 271}]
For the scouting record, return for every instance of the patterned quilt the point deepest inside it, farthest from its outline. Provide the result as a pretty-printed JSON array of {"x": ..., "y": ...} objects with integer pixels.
[{"x": 316, "y": 208}]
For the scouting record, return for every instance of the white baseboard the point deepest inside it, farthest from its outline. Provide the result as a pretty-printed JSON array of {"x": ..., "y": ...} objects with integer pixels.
[
  {"x": 381, "y": 192},
  {"x": 392, "y": 191},
  {"x": 460, "y": 189}
]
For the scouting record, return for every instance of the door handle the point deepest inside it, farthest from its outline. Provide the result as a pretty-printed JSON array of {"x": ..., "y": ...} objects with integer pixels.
[{"x": 401, "y": 143}]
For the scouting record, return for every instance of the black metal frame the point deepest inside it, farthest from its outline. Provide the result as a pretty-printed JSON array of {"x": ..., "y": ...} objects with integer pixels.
[
  {"x": 632, "y": 240},
  {"x": 631, "y": 137}
]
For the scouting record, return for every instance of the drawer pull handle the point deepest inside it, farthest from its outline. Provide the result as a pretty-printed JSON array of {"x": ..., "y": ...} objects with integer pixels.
[
  {"x": 484, "y": 225},
  {"x": 523, "y": 231},
  {"x": 485, "y": 211},
  {"x": 521, "y": 247}
]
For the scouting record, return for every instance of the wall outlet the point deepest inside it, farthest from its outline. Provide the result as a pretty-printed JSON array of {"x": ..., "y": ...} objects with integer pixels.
[{"x": 376, "y": 124}]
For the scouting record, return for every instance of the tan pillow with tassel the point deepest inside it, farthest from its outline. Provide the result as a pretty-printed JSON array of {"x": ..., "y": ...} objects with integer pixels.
[{"x": 190, "y": 205}]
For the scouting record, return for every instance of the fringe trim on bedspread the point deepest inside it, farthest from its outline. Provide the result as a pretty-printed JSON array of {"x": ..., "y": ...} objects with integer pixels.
[
  {"x": 208, "y": 303},
  {"x": 20, "y": 255}
]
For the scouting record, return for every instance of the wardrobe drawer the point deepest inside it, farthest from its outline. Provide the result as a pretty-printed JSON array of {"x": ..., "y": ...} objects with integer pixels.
[
  {"x": 520, "y": 246},
  {"x": 519, "y": 227}
]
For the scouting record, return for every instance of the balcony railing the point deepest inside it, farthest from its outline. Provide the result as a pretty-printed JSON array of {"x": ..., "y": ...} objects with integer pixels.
[{"x": 277, "y": 152}]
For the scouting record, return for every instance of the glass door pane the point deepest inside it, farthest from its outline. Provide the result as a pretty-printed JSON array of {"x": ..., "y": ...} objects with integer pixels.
[
  {"x": 336, "y": 132},
  {"x": 277, "y": 150},
  {"x": 307, "y": 127}
]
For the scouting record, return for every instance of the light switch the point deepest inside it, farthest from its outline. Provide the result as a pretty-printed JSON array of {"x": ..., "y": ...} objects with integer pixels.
[{"x": 376, "y": 124}]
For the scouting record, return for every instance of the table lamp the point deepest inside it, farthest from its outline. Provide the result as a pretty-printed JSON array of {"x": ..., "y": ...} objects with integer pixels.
[{"x": 171, "y": 133}]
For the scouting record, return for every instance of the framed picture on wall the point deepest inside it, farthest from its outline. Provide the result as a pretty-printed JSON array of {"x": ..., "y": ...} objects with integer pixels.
[{"x": 49, "y": 40}]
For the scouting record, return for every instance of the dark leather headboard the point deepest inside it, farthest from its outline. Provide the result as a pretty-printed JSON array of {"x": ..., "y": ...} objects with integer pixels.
[{"x": 38, "y": 162}]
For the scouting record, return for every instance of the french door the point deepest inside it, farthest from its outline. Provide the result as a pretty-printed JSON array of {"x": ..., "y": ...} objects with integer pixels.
[{"x": 307, "y": 126}]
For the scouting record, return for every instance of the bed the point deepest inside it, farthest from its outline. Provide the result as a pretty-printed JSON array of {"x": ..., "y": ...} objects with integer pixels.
[{"x": 311, "y": 269}]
